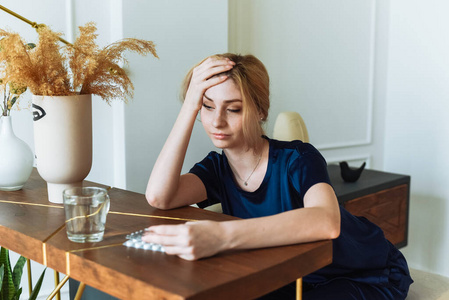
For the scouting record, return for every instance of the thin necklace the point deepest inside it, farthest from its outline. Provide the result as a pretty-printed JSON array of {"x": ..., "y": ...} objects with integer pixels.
[{"x": 245, "y": 182}]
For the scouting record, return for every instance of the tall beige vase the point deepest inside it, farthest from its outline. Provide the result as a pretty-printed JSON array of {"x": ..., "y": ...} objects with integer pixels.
[{"x": 63, "y": 141}]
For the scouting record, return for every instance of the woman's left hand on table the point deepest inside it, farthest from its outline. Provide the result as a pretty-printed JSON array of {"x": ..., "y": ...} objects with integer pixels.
[{"x": 190, "y": 241}]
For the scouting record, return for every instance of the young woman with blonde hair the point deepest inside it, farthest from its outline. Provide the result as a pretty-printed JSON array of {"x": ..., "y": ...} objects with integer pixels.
[{"x": 281, "y": 190}]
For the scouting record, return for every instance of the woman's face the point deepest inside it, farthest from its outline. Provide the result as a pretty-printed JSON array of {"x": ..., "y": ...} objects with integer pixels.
[{"x": 222, "y": 116}]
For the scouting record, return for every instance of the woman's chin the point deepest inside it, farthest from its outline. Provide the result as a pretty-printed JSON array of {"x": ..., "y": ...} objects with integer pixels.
[{"x": 220, "y": 144}]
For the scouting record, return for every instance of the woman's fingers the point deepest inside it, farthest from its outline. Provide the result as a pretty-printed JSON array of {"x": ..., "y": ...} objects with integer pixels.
[
  {"x": 167, "y": 235},
  {"x": 204, "y": 77},
  {"x": 180, "y": 251},
  {"x": 213, "y": 70},
  {"x": 213, "y": 62},
  {"x": 165, "y": 240},
  {"x": 211, "y": 67},
  {"x": 190, "y": 241},
  {"x": 165, "y": 229},
  {"x": 174, "y": 238}
]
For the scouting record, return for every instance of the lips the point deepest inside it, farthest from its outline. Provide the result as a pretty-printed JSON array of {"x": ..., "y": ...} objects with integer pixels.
[{"x": 220, "y": 136}]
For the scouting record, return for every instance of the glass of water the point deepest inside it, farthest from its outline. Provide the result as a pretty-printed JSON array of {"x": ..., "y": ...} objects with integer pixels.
[{"x": 86, "y": 209}]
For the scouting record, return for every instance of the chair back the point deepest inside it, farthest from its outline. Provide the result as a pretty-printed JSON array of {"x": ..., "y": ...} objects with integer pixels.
[{"x": 290, "y": 126}]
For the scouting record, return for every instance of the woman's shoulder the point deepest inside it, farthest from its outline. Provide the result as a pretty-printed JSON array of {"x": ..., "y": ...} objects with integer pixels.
[
  {"x": 212, "y": 157},
  {"x": 213, "y": 162},
  {"x": 296, "y": 154},
  {"x": 296, "y": 145}
]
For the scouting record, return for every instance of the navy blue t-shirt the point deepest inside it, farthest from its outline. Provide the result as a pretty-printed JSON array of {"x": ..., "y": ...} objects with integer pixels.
[{"x": 360, "y": 253}]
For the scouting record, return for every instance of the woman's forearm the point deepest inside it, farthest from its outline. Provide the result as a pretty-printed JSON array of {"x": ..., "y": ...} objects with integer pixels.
[
  {"x": 165, "y": 176},
  {"x": 166, "y": 188},
  {"x": 292, "y": 227},
  {"x": 195, "y": 240},
  {"x": 318, "y": 220}
]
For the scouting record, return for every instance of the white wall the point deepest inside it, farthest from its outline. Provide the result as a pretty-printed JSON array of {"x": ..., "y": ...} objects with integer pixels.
[
  {"x": 323, "y": 62},
  {"x": 417, "y": 123},
  {"x": 185, "y": 33}
]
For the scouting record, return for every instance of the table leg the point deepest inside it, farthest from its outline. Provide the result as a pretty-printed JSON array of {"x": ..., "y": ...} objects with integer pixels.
[
  {"x": 299, "y": 289},
  {"x": 80, "y": 291},
  {"x": 30, "y": 281},
  {"x": 58, "y": 294},
  {"x": 58, "y": 288}
]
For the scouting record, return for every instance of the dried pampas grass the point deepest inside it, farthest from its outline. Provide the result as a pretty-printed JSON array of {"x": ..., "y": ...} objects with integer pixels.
[{"x": 52, "y": 69}]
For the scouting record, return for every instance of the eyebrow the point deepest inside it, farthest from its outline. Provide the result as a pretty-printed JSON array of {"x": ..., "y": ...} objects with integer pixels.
[{"x": 227, "y": 101}]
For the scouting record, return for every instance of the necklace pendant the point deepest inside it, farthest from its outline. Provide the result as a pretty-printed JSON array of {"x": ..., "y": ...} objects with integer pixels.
[{"x": 245, "y": 183}]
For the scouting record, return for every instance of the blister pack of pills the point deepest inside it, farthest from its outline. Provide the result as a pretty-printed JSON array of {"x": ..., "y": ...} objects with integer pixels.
[{"x": 135, "y": 240}]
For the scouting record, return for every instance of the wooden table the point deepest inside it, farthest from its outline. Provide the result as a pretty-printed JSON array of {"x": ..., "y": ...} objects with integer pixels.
[{"x": 34, "y": 228}]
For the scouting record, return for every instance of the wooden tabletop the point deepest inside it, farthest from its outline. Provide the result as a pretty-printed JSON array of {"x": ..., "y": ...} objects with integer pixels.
[{"x": 35, "y": 228}]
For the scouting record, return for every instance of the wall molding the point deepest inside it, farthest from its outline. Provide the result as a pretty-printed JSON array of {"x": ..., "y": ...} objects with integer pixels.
[
  {"x": 370, "y": 93},
  {"x": 70, "y": 21},
  {"x": 118, "y": 107}
]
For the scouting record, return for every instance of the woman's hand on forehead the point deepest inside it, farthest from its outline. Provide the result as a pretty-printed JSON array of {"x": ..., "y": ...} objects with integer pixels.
[{"x": 203, "y": 77}]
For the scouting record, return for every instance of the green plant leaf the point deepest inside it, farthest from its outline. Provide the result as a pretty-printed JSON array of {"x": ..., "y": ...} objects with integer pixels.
[
  {"x": 17, "y": 294},
  {"x": 2, "y": 268},
  {"x": 37, "y": 287},
  {"x": 3, "y": 255},
  {"x": 18, "y": 271},
  {"x": 10, "y": 280},
  {"x": 8, "y": 289}
]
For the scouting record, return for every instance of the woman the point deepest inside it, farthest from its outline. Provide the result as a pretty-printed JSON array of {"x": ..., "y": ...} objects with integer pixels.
[{"x": 281, "y": 190}]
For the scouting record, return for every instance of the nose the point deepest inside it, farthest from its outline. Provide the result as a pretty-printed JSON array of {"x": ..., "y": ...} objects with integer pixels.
[{"x": 219, "y": 119}]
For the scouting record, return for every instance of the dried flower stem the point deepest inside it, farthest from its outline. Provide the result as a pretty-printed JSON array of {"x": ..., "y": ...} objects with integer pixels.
[{"x": 84, "y": 68}]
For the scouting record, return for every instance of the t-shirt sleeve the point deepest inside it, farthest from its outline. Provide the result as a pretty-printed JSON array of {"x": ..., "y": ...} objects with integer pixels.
[
  {"x": 207, "y": 171},
  {"x": 307, "y": 169}
]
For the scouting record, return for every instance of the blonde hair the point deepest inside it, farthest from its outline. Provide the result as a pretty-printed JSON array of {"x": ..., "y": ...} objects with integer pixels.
[{"x": 251, "y": 77}]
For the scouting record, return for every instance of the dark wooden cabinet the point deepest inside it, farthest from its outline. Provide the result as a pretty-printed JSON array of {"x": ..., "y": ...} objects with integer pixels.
[{"x": 381, "y": 197}]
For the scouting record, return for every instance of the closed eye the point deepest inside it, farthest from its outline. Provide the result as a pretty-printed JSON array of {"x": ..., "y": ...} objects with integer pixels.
[
  {"x": 234, "y": 110},
  {"x": 207, "y": 106}
]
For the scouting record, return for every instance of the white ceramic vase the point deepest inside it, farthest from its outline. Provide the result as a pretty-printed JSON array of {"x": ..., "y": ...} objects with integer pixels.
[
  {"x": 16, "y": 158},
  {"x": 63, "y": 141}
]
